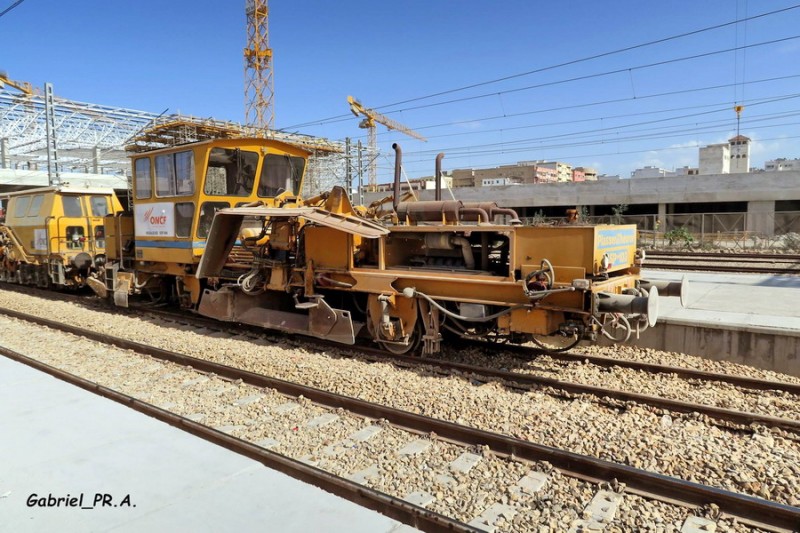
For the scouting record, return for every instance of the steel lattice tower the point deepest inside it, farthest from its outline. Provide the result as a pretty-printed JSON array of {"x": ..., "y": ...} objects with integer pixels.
[{"x": 258, "y": 87}]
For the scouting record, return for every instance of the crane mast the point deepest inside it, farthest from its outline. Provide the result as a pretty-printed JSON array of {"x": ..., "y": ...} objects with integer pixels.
[
  {"x": 371, "y": 119},
  {"x": 258, "y": 85}
]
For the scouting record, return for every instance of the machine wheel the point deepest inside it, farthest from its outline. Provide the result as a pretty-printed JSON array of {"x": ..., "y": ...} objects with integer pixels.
[
  {"x": 398, "y": 349},
  {"x": 556, "y": 343},
  {"x": 404, "y": 349}
]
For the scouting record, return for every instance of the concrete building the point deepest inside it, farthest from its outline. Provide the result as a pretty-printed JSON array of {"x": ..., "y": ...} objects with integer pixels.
[
  {"x": 725, "y": 158},
  {"x": 589, "y": 173},
  {"x": 715, "y": 159},
  {"x": 578, "y": 175},
  {"x": 740, "y": 154},
  {"x": 563, "y": 170},
  {"x": 685, "y": 171},
  {"x": 782, "y": 165},
  {"x": 655, "y": 172},
  {"x": 649, "y": 172},
  {"x": 418, "y": 184},
  {"x": 524, "y": 172},
  {"x": 765, "y": 203}
]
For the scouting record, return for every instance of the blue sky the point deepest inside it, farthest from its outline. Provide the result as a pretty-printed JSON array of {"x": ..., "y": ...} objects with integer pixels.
[{"x": 187, "y": 56}]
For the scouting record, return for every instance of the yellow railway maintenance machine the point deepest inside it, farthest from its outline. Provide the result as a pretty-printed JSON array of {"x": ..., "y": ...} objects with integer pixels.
[
  {"x": 154, "y": 250},
  {"x": 412, "y": 274},
  {"x": 54, "y": 236}
]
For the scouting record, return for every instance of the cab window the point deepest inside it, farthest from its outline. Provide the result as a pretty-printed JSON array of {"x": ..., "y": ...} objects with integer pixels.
[
  {"x": 99, "y": 205},
  {"x": 175, "y": 174},
  {"x": 207, "y": 211},
  {"x": 23, "y": 203},
  {"x": 184, "y": 214},
  {"x": 72, "y": 206},
  {"x": 231, "y": 172},
  {"x": 36, "y": 204},
  {"x": 280, "y": 173},
  {"x": 141, "y": 168}
]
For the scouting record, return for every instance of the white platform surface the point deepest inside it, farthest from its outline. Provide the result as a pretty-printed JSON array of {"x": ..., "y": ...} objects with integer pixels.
[
  {"x": 58, "y": 439},
  {"x": 743, "y": 301}
]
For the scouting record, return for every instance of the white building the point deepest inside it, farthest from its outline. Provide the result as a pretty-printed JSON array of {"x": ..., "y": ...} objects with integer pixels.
[
  {"x": 715, "y": 159},
  {"x": 740, "y": 154},
  {"x": 648, "y": 172},
  {"x": 782, "y": 164}
]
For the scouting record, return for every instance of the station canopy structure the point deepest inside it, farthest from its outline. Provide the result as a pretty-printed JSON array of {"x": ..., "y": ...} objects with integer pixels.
[{"x": 97, "y": 139}]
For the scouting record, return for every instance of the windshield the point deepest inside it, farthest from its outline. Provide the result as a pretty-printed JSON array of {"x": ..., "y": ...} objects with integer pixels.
[{"x": 280, "y": 173}]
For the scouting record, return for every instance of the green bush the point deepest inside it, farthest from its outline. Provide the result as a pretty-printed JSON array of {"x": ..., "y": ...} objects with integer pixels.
[{"x": 679, "y": 235}]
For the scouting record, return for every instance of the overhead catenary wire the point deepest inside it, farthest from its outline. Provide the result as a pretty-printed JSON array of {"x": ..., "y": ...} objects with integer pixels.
[
  {"x": 338, "y": 118},
  {"x": 12, "y": 6},
  {"x": 561, "y": 157}
]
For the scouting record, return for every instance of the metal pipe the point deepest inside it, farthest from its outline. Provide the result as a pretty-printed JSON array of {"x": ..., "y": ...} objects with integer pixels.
[
  {"x": 439, "y": 158},
  {"x": 515, "y": 221},
  {"x": 475, "y": 211},
  {"x": 398, "y": 161},
  {"x": 669, "y": 288},
  {"x": 628, "y": 304},
  {"x": 466, "y": 251}
]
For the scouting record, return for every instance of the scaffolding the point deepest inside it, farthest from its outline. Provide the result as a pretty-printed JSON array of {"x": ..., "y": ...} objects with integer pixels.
[
  {"x": 97, "y": 139},
  {"x": 91, "y": 137}
]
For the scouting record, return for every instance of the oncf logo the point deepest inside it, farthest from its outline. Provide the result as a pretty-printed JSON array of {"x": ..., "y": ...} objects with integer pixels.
[{"x": 157, "y": 220}]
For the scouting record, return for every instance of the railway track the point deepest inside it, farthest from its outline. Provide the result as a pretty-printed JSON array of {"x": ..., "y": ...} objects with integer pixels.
[
  {"x": 752, "y": 263},
  {"x": 530, "y": 381},
  {"x": 618, "y": 482}
]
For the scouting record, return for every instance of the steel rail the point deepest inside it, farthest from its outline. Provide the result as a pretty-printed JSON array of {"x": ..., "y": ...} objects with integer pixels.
[
  {"x": 722, "y": 255},
  {"x": 533, "y": 381},
  {"x": 530, "y": 380},
  {"x": 721, "y": 268},
  {"x": 385, "y": 504},
  {"x": 748, "y": 509},
  {"x": 691, "y": 373}
]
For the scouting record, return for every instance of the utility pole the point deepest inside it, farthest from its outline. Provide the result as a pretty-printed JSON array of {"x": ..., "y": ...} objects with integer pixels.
[
  {"x": 52, "y": 146},
  {"x": 360, "y": 173},
  {"x": 348, "y": 168}
]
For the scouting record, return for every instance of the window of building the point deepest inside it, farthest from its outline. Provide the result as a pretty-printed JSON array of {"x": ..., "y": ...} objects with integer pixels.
[
  {"x": 36, "y": 204},
  {"x": 280, "y": 173},
  {"x": 184, "y": 214},
  {"x": 231, "y": 172},
  {"x": 72, "y": 206},
  {"x": 23, "y": 203},
  {"x": 99, "y": 205},
  {"x": 207, "y": 211},
  {"x": 141, "y": 170},
  {"x": 175, "y": 174}
]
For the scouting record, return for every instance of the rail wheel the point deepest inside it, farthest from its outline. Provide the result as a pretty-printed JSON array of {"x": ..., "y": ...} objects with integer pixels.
[
  {"x": 556, "y": 343},
  {"x": 404, "y": 349}
]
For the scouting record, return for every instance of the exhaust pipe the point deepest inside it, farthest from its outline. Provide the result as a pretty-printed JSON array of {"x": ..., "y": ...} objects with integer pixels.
[
  {"x": 439, "y": 158},
  {"x": 670, "y": 288},
  {"x": 398, "y": 160},
  {"x": 630, "y": 305}
]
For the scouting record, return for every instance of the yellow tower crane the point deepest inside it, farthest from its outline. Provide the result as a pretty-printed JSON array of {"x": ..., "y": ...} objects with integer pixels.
[
  {"x": 371, "y": 119},
  {"x": 258, "y": 88},
  {"x": 22, "y": 86}
]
